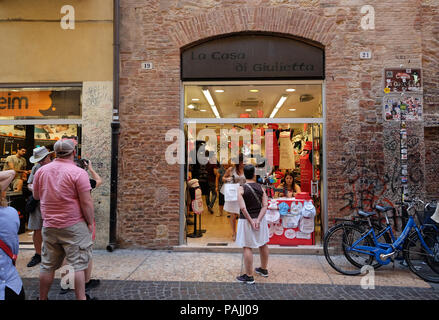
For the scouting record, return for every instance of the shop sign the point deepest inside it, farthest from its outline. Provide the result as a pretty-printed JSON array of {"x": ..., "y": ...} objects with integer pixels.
[
  {"x": 253, "y": 57},
  {"x": 23, "y": 103},
  {"x": 402, "y": 80}
]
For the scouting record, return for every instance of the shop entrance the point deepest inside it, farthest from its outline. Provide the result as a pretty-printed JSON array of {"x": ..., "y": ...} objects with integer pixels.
[{"x": 277, "y": 126}]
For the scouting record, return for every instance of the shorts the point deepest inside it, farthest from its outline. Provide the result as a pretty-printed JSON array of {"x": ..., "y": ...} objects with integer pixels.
[
  {"x": 74, "y": 243},
  {"x": 35, "y": 220},
  {"x": 15, "y": 182}
]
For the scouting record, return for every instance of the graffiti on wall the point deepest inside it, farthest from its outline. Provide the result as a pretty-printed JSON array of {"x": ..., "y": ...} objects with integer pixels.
[{"x": 376, "y": 179}]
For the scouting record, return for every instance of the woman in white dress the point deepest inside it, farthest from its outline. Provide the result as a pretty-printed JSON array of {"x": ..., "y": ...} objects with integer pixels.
[
  {"x": 252, "y": 225},
  {"x": 234, "y": 174}
]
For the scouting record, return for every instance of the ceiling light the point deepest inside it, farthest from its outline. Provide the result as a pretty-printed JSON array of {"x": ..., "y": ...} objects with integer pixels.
[
  {"x": 219, "y": 90},
  {"x": 211, "y": 102},
  {"x": 203, "y": 110},
  {"x": 195, "y": 99},
  {"x": 278, "y": 106},
  {"x": 254, "y": 90},
  {"x": 290, "y": 90},
  {"x": 191, "y": 106},
  {"x": 248, "y": 110},
  {"x": 292, "y": 109},
  {"x": 215, "y": 111}
]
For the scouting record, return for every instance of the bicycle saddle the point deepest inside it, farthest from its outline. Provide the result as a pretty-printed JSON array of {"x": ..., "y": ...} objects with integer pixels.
[
  {"x": 365, "y": 213},
  {"x": 383, "y": 209}
]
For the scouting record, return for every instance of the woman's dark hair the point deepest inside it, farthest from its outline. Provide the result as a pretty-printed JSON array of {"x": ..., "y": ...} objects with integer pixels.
[
  {"x": 249, "y": 171},
  {"x": 291, "y": 174}
]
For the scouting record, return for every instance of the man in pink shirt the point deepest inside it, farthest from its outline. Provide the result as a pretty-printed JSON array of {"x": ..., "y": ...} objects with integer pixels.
[{"x": 67, "y": 211}]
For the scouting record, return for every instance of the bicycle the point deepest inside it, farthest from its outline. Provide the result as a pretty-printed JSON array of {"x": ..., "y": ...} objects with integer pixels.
[
  {"x": 348, "y": 247},
  {"x": 360, "y": 224}
]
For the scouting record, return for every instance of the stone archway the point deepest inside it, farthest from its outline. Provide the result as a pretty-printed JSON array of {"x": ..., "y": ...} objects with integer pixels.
[{"x": 282, "y": 20}]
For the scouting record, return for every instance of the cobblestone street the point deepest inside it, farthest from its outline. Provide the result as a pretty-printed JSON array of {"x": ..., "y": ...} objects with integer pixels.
[
  {"x": 167, "y": 275},
  {"x": 181, "y": 290}
]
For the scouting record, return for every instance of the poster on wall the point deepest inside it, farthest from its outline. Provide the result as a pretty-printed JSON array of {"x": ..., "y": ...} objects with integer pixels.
[
  {"x": 55, "y": 132},
  {"x": 407, "y": 107},
  {"x": 402, "y": 80}
]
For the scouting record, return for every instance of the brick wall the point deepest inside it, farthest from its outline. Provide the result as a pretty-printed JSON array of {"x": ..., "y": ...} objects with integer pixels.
[{"x": 362, "y": 149}]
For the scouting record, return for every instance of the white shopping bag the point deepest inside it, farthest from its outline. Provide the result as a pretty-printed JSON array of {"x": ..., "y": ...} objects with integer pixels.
[{"x": 231, "y": 191}]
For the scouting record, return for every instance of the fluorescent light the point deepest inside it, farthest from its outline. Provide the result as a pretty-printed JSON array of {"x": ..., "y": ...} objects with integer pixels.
[
  {"x": 203, "y": 110},
  {"x": 278, "y": 105},
  {"x": 292, "y": 109},
  {"x": 211, "y": 102},
  {"x": 219, "y": 90},
  {"x": 254, "y": 90},
  {"x": 248, "y": 110},
  {"x": 208, "y": 97},
  {"x": 215, "y": 111},
  {"x": 195, "y": 99},
  {"x": 191, "y": 106},
  {"x": 290, "y": 90}
]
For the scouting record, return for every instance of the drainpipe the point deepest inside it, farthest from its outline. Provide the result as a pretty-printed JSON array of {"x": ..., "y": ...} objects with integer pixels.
[{"x": 115, "y": 125}]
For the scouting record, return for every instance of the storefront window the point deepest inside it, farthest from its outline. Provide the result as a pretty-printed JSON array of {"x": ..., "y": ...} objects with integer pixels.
[
  {"x": 278, "y": 148},
  {"x": 288, "y": 161},
  {"x": 253, "y": 101}
]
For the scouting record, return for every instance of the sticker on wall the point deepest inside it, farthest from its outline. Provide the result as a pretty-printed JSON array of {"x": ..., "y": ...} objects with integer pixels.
[
  {"x": 403, "y": 107},
  {"x": 403, "y": 80}
]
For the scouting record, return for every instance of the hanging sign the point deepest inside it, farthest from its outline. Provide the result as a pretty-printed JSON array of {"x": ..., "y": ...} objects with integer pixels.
[
  {"x": 29, "y": 103},
  {"x": 252, "y": 57}
]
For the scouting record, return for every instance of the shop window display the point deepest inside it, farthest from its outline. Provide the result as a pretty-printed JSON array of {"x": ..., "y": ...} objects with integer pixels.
[
  {"x": 287, "y": 160},
  {"x": 286, "y": 154}
]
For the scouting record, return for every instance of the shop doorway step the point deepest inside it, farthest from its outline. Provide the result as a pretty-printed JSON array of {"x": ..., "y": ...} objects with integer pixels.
[{"x": 231, "y": 248}]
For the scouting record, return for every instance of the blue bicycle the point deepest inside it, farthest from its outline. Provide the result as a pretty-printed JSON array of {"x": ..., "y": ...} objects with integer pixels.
[{"x": 348, "y": 246}]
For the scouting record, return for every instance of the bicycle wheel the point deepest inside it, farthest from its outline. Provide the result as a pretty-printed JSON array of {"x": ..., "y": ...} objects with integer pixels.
[
  {"x": 421, "y": 263},
  {"x": 336, "y": 249}
]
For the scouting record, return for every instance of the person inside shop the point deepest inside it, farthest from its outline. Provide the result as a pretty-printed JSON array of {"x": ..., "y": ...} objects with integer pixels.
[
  {"x": 40, "y": 157},
  {"x": 289, "y": 186},
  {"x": 252, "y": 226},
  {"x": 212, "y": 192},
  {"x": 11, "y": 285},
  {"x": 18, "y": 163},
  {"x": 219, "y": 182},
  {"x": 234, "y": 174}
]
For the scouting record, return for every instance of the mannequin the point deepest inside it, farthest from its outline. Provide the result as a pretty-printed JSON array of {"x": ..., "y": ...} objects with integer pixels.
[{"x": 286, "y": 151}]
